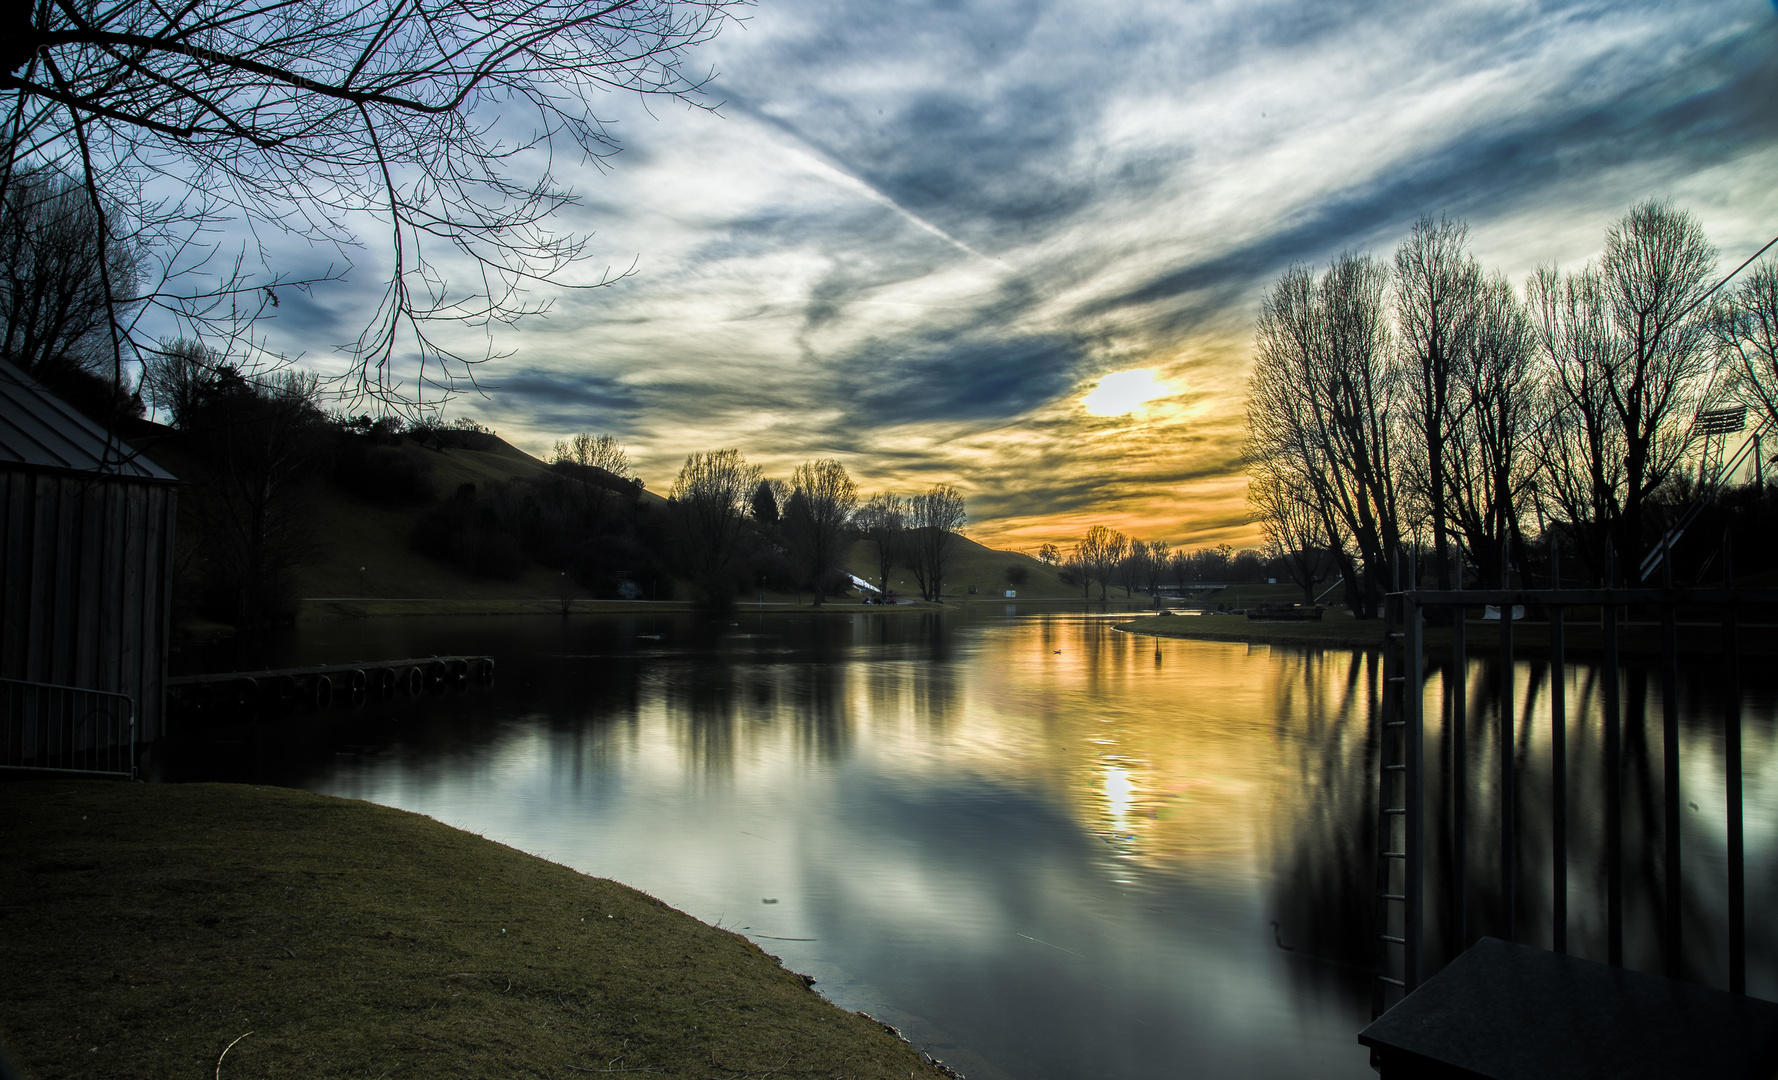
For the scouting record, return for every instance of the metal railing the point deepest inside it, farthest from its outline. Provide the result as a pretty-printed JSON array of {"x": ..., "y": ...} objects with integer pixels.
[
  {"x": 1403, "y": 809},
  {"x": 66, "y": 729}
]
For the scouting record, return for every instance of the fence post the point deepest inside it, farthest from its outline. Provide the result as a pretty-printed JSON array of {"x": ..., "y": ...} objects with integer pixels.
[
  {"x": 1459, "y": 691},
  {"x": 1508, "y": 781},
  {"x": 1558, "y": 764},
  {"x": 1731, "y": 739},
  {"x": 1614, "y": 826},
  {"x": 1671, "y": 928}
]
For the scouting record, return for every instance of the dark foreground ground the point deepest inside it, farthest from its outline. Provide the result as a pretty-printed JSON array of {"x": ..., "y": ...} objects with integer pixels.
[{"x": 216, "y": 930}]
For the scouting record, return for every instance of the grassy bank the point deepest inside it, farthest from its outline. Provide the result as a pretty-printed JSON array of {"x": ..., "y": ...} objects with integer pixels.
[
  {"x": 1582, "y": 635},
  {"x": 146, "y": 929}
]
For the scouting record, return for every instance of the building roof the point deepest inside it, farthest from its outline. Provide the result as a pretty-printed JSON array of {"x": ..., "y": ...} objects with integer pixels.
[{"x": 41, "y": 431}]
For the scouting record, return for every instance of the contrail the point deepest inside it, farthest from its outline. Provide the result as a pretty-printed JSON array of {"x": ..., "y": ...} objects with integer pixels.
[{"x": 811, "y": 158}]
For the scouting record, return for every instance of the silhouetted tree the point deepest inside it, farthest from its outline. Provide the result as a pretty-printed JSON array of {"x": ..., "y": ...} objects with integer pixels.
[
  {"x": 594, "y": 451},
  {"x": 765, "y": 507},
  {"x": 1438, "y": 286},
  {"x": 304, "y": 116},
  {"x": 1627, "y": 350},
  {"x": 1098, "y": 554},
  {"x": 251, "y": 442},
  {"x": 1746, "y": 326},
  {"x": 1320, "y": 401},
  {"x": 934, "y": 519},
  {"x": 1491, "y": 467},
  {"x": 816, "y": 520},
  {"x": 709, "y": 501},
  {"x": 1293, "y": 529},
  {"x": 882, "y": 521}
]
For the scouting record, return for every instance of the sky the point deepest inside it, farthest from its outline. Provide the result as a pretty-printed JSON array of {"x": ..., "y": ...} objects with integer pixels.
[{"x": 1018, "y": 246}]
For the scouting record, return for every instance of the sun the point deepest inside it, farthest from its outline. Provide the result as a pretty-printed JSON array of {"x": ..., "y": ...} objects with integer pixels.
[{"x": 1124, "y": 392}]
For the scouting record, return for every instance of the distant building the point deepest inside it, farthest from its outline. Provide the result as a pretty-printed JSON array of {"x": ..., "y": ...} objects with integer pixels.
[{"x": 86, "y": 559}]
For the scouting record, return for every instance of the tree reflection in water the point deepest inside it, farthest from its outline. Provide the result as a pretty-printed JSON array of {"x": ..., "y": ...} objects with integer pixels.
[{"x": 1041, "y": 847}]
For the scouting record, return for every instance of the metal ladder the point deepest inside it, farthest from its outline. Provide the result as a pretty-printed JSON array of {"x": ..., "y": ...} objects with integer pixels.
[{"x": 1399, "y": 789}]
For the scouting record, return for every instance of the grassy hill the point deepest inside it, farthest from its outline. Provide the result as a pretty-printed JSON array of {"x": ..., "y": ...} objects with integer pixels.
[
  {"x": 352, "y": 532},
  {"x": 362, "y": 562},
  {"x": 976, "y": 567}
]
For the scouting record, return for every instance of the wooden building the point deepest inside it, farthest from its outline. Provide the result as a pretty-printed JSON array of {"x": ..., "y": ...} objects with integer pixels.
[{"x": 86, "y": 554}]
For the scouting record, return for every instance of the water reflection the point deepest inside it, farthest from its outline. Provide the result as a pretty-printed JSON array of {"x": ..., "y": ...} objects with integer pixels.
[{"x": 1040, "y": 847}]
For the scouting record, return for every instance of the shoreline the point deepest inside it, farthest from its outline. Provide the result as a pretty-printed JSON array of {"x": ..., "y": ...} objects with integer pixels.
[
  {"x": 151, "y": 925},
  {"x": 1530, "y": 639}
]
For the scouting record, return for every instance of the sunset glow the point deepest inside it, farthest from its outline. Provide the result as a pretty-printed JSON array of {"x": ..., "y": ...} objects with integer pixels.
[
  {"x": 1021, "y": 249},
  {"x": 1124, "y": 393}
]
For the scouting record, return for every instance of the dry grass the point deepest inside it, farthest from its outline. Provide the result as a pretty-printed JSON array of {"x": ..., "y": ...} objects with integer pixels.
[{"x": 147, "y": 929}]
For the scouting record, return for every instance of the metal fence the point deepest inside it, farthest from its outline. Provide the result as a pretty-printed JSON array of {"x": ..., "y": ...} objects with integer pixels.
[
  {"x": 1403, "y": 873},
  {"x": 66, "y": 729}
]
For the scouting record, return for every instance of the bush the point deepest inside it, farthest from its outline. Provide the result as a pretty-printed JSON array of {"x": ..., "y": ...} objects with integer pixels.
[{"x": 383, "y": 475}]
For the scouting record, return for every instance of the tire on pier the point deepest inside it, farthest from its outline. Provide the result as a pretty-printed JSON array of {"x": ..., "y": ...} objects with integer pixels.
[
  {"x": 321, "y": 692},
  {"x": 285, "y": 691},
  {"x": 382, "y": 682},
  {"x": 357, "y": 685},
  {"x": 413, "y": 682},
  {"x": 436, "y": 675},
  {"x": 459, "y": 674},
  {"x": 484, "y": 671}
]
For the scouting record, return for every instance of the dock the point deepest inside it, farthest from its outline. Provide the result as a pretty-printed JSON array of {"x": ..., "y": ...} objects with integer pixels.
[{"x": 243, "y": 695}]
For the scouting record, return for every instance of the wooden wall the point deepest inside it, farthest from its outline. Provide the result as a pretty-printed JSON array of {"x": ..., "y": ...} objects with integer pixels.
[{"x": 86, "y": 584}]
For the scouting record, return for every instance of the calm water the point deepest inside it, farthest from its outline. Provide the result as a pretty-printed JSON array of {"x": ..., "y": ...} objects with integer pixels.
[{"x": 1039, "y": 847}]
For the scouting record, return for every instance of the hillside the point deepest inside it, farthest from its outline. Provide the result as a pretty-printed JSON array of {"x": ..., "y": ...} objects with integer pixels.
[
  {"x": 352, "y": 532},
  {"x": 361, "y": 560},
  {"x": 977, "y": 567}
]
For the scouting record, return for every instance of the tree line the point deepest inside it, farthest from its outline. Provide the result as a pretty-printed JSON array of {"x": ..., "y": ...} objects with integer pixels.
[
  {"x": 253, "y": 447},
  {"x": 1110, "y": 559},
  {"x": 1424, "y": 400},
  {"x": 738, "y": 529}
]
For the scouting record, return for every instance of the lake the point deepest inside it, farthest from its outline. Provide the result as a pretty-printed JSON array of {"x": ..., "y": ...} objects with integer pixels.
[{"x": 1038, "y": 846}]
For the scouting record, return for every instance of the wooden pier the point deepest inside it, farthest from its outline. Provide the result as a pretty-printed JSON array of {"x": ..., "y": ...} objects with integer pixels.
[{"x": 243, "y": 695}]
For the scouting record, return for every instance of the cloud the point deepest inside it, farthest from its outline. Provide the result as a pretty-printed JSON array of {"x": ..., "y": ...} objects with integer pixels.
[{"x": 919, "y": 233}]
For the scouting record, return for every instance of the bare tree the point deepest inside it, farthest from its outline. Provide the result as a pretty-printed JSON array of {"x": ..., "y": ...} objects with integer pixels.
[
  {"x": 251, "y": 442},
  {"x": 709, "y": 501},
  {"x": 1098, "y": 554},
  {"x": 881, "y": 520},
  {"x": 1154, "y": 568},
  {"x": 1133, "y": 567},
  {"x": 1437, "y": 285},
  {"x": 1180, "y": 565},
  {"x": 1491, "y": 472},
  {"x": 816, "y": 519},
  {"x": 1320, "y": 402},
  {"x": 178, "y": 377},
  {"x": 53, "y": 311},
  {"x": 1746, "y": 326},
  {"x": 1286, "y": 511},
  {"x": 1049, "y": 555},
  {"x": 307, "y": 117},
  {"x": 1628, "y": 350},
  {"x": 934, "y": 519},
  {"x": 595, "y": 451}
]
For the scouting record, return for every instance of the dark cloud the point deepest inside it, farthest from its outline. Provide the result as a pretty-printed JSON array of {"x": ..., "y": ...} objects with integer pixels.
[
  {"x": 954, "y": 376},
  {"x": 568, "y": 400},
  {"x": 1707, "y": 114}
]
